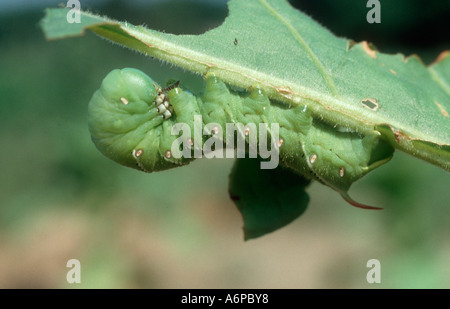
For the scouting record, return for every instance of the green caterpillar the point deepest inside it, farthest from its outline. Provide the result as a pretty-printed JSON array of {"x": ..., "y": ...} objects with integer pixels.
[{"x": 131, "y": 120}]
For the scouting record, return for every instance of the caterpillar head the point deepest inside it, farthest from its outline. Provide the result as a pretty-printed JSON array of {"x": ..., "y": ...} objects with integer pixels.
[{"x": 130, "y": 120}]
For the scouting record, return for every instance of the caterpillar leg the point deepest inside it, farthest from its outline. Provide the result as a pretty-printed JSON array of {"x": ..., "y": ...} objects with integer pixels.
[
  {"x": 217, "y": 102},
  {"x": 254, "y": 108}
]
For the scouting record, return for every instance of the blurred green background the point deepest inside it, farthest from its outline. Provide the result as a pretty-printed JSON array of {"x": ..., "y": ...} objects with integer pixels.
[{"x": 61, "y": 199}]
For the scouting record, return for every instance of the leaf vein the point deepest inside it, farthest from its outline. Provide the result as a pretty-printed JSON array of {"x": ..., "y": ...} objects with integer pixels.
[{"x": 328, "y": 79}]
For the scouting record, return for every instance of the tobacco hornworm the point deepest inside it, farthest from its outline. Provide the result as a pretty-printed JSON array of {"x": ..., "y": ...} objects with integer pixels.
[{"x": 131, "y": 117}]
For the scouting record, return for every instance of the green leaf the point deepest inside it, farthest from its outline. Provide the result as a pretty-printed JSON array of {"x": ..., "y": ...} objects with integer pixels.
[
  {"x": 297, "y": 61},
  {"x": 267, "y": 199}
]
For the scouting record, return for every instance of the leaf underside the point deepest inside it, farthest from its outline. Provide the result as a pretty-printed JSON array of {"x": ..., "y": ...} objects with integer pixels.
[
  {"x": 297, "y": 61},
  {"x": 267, "y": 199}
]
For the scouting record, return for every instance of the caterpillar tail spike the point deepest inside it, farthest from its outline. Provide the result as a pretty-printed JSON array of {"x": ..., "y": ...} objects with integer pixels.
[{"x": 354, "y": 203}]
